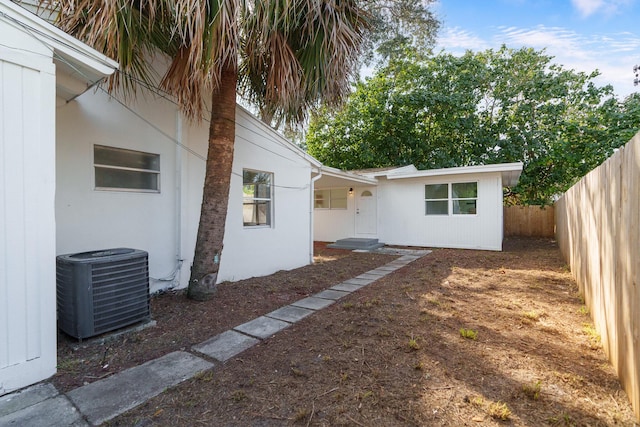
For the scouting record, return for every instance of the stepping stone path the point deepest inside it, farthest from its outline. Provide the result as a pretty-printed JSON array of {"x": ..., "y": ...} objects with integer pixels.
[{"x": 104, "y": 400}]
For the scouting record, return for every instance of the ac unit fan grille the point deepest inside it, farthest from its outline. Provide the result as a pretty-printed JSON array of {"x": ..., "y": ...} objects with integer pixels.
[{"x": 120, "y": 293}]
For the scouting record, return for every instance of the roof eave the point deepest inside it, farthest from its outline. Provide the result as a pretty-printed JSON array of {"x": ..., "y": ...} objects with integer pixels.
[
  {"x": 73, "y": 58},
  {"x": 510, "y": 172}
]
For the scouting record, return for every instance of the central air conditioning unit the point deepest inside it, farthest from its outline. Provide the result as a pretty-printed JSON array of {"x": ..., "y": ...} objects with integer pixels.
[{"x": 101, "y": 291}]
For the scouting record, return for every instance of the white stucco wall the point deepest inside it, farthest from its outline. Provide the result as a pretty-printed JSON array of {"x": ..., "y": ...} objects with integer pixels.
[
  {"x": 402, "y": 221},
  {"x": 165, "y": 224},
  {"x": 255, "y": 251},
  {"x": 89, "y": 219},
  {"x": 334, "y": 224}
]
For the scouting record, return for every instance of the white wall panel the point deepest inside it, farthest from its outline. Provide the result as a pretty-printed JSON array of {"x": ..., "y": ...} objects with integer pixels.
[{"x": 27, "y": 229}]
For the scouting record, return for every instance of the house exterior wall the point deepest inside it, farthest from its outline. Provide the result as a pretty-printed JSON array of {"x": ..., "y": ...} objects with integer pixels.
[
  {"x": 89, "y": 219},
  {"x": 165, "y": 223},
  {"x": 255, "y": 251},
  {"x": 334, "y": 224},
  {"x": 402, "y": 219},
  {"x": 27, "y": 229}
]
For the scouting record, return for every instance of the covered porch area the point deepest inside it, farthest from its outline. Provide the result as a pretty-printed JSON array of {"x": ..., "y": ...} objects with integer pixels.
[{"x": 345, "y": 209}]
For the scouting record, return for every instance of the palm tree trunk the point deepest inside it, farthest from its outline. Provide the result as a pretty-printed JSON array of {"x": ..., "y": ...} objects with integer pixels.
[{"x": 215, "y": 197}]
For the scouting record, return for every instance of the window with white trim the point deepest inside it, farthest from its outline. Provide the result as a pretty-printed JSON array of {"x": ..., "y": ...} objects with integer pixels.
[
  {"x": 257, "y": 198},
  {"x": 458, "y": 198},
  {"x": 464, "y": 198},
  {"x": 335, "y": 198},
  {"x": 436, "y": 197},
  {"x": 126, "y": 170}
]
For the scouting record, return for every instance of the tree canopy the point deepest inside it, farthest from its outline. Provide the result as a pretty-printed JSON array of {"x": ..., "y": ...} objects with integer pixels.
[{"x": 488, "y": 107}]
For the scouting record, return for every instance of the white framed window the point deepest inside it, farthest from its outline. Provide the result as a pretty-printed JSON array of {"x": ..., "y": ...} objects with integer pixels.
[
  {"x": 126, "y": 170},
  {"x": 257, "y": 198},
  {"x": 458, "y": 198},
  {"x": 436, "y": 198},
  {"x": 335, "y": 198},
  {"x": 464, "y": 198}
]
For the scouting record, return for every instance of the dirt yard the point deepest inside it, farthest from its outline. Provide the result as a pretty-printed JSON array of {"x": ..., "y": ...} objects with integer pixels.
[{"x": 457, "y": 338}]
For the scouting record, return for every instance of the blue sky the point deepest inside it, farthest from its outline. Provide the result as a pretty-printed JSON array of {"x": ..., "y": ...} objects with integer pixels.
[{"x": 583, "y": 35}]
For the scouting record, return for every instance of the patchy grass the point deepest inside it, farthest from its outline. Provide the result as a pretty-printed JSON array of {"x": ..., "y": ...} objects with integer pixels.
[{"x": 469, "y": 334}]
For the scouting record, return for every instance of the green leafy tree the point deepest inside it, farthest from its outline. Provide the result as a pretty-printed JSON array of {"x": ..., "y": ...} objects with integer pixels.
[{"x": 489, "y": 107}]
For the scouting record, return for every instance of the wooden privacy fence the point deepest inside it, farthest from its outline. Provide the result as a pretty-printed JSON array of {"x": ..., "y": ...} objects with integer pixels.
[
  {"x": 532, "y": 221},
  {"x": 598, "y": 233}
]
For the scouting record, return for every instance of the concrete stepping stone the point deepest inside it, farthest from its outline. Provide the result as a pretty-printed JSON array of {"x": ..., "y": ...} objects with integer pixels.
[
  {"x": 331, "y": 294},
  {"x": 56, "y": 411},
  {"x": 105, "y": 399},
  {"x": 30, "y": 396},
  {"x": 361, "y": 282},
  {"x": 409, "y": 258},
  {"x": 346, "y": 287},
  {"x": 313, "y": 303},
  {"x": 226, "y": 345},
  {"x": 389, "y": 268},
  {"x": 375, "y": 274},
  {"x": 369, "y": 276},
  {"x": 290, "y": 313},
  {"x": 262, "y": 327},
  {"x": 380, "y": 272}
]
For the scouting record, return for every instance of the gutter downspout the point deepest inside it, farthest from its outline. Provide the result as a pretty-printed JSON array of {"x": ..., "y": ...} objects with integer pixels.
[
  {"x": 311, "y": 206},
  {"x": 178, "y": 200}
]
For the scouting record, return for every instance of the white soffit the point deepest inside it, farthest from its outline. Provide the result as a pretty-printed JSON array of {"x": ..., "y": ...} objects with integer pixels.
[{"x": 332, "y": 177}]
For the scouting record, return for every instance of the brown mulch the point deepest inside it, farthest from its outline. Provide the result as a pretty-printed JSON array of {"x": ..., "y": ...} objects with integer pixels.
[{"x": 389, "y": 354}]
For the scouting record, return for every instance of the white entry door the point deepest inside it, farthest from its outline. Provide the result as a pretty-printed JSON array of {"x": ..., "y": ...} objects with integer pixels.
[{"x": 366, "y": 209}]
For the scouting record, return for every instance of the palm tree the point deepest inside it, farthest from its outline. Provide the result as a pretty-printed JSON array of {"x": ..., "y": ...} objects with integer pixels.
[{"x": 283, "y": 55}]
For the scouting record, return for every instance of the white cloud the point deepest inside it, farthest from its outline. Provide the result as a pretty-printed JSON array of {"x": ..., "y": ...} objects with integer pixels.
[
  {"x": 455, "y": 39},
  {"x": 587, "y": 8}
]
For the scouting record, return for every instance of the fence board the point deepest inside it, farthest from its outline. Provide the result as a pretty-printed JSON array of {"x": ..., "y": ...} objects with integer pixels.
[
  {"x": 530, "y": 221},
  {"x": 598, "y": 231}
]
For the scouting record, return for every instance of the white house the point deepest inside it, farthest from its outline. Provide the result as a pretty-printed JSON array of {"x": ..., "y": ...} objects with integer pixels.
[
  {"x": 452, "y": 208},
  {"x": 81, "y": 170},
  {"x": 39, "y": 67},
  {"x": 131, "y": 175}
]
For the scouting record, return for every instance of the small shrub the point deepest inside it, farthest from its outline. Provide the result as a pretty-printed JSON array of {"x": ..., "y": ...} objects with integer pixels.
[
  {"x": 413, "y": 344},
  {"x": 591, "y": 332},
  {"x": 563, "y": 419},
  {"x": 532, "y": 391},
  {"x": 238, "y": 396},
  {"x": 532, "y": 315},
  {"x": 477, "y": 401},
  {"x": 584, "y": 310},
  {"x": 468, "y": 333},
  {"x": 499, "y": 411}
]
